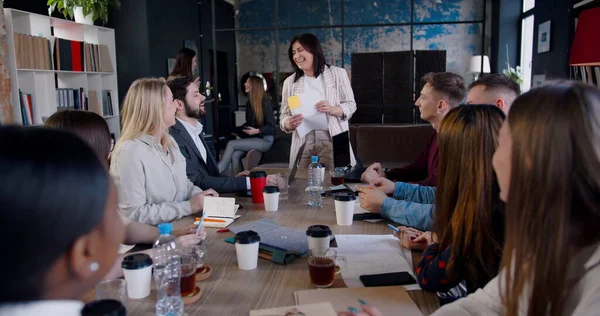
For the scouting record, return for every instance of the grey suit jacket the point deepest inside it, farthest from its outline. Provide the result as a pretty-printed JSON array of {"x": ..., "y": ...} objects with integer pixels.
[{"x": 204, "y": 174}]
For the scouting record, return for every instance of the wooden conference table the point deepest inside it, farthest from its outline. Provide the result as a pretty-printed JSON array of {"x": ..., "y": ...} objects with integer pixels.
[{"x": 230, "y": 291}]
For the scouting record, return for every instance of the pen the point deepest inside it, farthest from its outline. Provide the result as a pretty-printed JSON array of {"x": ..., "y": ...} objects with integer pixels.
[
  {"x": 200, "y": 224},
  {"x": 215, "y": 220},
  {"x": 394, "y": 228}
]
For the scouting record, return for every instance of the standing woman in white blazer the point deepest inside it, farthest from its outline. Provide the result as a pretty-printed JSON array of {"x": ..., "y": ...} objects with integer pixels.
[{"x": 337, "y": 100}]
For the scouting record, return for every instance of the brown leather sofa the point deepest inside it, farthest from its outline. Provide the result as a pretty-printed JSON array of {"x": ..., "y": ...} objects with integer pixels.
[{"x": 393, "y": 145}]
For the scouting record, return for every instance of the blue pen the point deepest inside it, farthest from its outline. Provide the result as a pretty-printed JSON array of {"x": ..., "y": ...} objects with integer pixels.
[
  {"x": 394, "y": 228},
  {"x": 200, "y": 224}
]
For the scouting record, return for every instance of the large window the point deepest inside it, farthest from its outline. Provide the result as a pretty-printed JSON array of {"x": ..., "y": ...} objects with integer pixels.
[{"x": 527, "y": 43}]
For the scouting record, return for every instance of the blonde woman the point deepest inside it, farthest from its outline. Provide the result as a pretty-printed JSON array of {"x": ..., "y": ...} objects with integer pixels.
[
  {"x": 147, "y": 166},
  {"x": 257, "y": 133}
]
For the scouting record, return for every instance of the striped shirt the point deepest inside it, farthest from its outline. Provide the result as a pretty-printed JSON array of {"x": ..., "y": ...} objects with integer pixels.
[{"x": 338, "y": 92}]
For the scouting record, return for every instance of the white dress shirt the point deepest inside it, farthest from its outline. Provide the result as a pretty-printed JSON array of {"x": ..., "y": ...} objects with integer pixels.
[
  {"x": 44, "y": 307},
  {"x": 195, "y": 132}
]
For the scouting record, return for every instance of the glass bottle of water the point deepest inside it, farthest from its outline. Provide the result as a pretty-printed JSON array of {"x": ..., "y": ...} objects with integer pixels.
[
  {"x": 316, "y": 174},
  {"x": 167, "y": 272}
]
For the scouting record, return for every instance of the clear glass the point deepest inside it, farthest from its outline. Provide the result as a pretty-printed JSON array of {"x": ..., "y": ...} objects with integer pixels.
[
  {"x": 283, "y": 180},
  {"x": 526, "y": 52},
  {"x": 196, "y": 247},
  {"x": 528, "y": 5},
  {"x": 113, "y": 289}
]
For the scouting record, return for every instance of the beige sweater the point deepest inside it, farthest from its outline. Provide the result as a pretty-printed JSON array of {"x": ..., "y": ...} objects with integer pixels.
[
  {"x": 583, "y": 299},
  {"x": 152, "y": 184}
]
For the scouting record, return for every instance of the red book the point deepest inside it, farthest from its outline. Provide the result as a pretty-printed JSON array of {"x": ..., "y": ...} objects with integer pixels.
[
  {"x": 30, "y": 105},
  {"x": 76, "y": 58}
]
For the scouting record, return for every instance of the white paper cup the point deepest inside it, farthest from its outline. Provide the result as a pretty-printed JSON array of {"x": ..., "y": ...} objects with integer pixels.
[
  {"x": 138, "y": 274},
  {"x": 246, "y": 249},
  {"x": 318, "y": 236},
  {"x": 271, "y": 197},
  {"x": 344, "y": 208},
  {"x": 318, "y": 242}
]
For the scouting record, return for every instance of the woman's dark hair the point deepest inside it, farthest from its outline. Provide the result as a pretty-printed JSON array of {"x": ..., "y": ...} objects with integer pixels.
[
  {"x": 53, "y": 190},
  {"x": 553, "y": 207},
  {"x": 467, "y": 193},
  {"x": 91, "y": 127},
  {"x": 313, "y": 46},
  {"x": 183, "y": 63}
]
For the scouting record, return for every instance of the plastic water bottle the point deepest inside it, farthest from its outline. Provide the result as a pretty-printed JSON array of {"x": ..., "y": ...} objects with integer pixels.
[
  {"x": 167, "y": 272},
  {"x": 316, "y": 173}
]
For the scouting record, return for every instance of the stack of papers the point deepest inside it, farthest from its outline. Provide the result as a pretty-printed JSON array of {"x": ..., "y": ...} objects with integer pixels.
[{"x": 373, "y": 254}]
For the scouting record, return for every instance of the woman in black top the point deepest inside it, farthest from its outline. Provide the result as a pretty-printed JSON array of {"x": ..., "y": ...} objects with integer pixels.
[{"x": 257, "y": 133}]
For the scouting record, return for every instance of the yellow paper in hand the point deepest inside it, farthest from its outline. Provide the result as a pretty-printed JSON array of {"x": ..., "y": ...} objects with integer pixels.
[{"x": 294, "y": 102}]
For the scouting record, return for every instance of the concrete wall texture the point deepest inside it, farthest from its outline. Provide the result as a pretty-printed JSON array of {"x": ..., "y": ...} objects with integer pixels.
[{"x": 257, "y": 49}]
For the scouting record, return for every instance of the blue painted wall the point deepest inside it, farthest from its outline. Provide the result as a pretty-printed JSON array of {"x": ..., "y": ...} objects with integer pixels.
[{"x": 256, "y": 49}]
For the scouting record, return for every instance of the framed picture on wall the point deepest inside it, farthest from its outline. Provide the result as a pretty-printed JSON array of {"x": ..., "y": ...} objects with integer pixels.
[
  {"x": 192, "y": 45},
  {"x": 543, "y": 37}
]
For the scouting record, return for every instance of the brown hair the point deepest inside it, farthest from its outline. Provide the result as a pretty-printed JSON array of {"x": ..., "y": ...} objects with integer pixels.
[
  {"x": 311, "y": 43},
  {"x": 257, "y": 95},
  {"x": 183, "y": 63},
  {"x": 499, "y": 82},
  {"x": 467, "y": 193},
  {"x": 447, "y": 83},
  {"x": 553, "y": 206},
  {"x": 89, "y": 126}
]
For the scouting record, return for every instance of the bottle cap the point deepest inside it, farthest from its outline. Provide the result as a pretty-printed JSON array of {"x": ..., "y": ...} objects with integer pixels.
[
  {"x": 318, "y": 231},
  {"x": 314, "y": 159},
  {"x": 104, "y": 308},
  {"x": 247, "y": 237},
  {"x": 136, "y": 261},
  {"x": 165, "y": 228}
]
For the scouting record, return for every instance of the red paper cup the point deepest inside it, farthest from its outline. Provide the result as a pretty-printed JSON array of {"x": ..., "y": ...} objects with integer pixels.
[{"x": 258, "y": 181}]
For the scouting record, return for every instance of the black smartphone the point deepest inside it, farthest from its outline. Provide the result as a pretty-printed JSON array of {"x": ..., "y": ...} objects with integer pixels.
[{"x": 387, "y": 279}]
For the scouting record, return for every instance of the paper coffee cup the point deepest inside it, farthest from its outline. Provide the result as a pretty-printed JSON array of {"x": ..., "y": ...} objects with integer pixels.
[
  {"x": 318, "y": 236},
  {"x": 344, "y": 208},
  {"x": 271, "y": 197},
  {"x": 246, "y": 249},
  {"x": 138, "y": 274}
]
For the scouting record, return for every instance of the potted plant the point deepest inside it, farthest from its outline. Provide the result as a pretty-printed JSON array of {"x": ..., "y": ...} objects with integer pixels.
[{"x": 84, "y": 11}]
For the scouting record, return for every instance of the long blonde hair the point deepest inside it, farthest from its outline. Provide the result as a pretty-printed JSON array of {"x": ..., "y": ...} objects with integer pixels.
[
  {"x": 143, "y": 111},
  {"x": 257, "y": 94}
]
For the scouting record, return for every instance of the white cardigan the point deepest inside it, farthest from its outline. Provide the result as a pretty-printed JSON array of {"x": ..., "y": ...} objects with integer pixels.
[
  {"x": 338, "y": 92},
  {"x": 583, "y": 299}
]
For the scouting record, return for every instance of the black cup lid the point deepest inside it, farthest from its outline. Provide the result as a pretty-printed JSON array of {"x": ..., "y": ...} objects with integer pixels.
[
  {"x": 345, "y": 197},
  {"x": 104, "y": 308},
  {"x": 258, "y": 174},
  {"x": 318, "y": 231},
  {"x": 247, "y": 237},
  {"x": 271, "y": 189},
  {"x": 136, "y": 261}
]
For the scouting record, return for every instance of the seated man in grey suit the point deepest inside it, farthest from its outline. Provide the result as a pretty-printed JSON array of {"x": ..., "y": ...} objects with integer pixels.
[{"x": 201, "y": 166}]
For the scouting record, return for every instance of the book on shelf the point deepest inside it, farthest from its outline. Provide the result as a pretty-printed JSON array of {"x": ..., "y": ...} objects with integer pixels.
[
  {"x": 81, "y": 56},
  {"x": 107, "y": 105},
  {"x": 26, "y": 108},
  {"x": 71, "y": 99},
  {"x": 32, "y": 52},
  {"x": 587, "y": 74}
]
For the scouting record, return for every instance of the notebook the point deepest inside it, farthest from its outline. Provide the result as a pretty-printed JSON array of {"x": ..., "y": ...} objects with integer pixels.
[
  {"x": 390, "y": 300},
  {"x": 220, "y": 211},
  {"x": 322, "y": 309}
]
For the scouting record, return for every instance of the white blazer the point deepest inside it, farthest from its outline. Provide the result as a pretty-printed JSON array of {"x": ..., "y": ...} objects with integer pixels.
[{"x": 338, "y": 92}]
